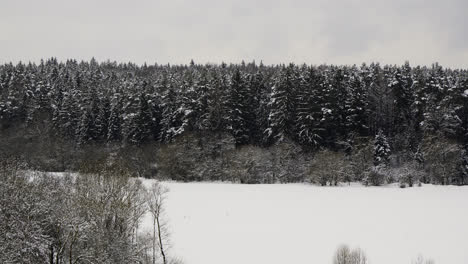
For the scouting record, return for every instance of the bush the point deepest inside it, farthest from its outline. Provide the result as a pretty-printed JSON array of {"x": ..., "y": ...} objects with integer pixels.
[
  {"x": 87, "y": 218},
  {"x": 344, "y": 255},
  {"x": 375, "y": 177},
  {"x": 328, "y": 167}
]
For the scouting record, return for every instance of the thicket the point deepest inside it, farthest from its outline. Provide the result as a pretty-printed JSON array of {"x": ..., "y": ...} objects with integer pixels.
[{"x": 79, "y": 218}]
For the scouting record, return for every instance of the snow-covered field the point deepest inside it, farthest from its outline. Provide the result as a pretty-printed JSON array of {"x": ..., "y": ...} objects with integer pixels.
[{"x": 214, "y": 223}]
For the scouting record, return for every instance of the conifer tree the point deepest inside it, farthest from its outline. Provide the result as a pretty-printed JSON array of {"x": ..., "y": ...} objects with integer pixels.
[
  {"x": 140, "y": 130},
  {"x": 309, "y": 112},
  {"x": 381, "y": 149},
  {"x": 114, "y": 132},
  {"x": 238, "y": 109},
  {"x": 102, "y": 119},
  {"x": 356, "y": 107},
  {"x": 280, "y": 119}
]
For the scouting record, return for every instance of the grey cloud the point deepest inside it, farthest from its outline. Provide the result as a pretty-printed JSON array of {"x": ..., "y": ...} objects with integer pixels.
[{"x": 318, "y": 31}]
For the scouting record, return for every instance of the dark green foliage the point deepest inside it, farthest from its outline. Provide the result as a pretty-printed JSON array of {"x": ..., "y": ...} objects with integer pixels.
[
  {"x": 241, "y": 118},
  {"x": 313, "y": 107},
  {"x": 381, "y": 149}
]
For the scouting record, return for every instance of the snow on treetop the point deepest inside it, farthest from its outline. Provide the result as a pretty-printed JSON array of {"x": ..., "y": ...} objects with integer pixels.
[{"x": 465, "y": 93}]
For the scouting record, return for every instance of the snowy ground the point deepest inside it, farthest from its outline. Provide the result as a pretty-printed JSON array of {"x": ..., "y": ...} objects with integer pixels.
[{"x": 215, "y": 223}]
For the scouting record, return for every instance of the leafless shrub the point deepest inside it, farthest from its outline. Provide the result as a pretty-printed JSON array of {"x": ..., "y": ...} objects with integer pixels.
[
  {"x": 155, "y": 199},
  {"x": 344, "y": 255},
  {"x": 421, "y": 260}
]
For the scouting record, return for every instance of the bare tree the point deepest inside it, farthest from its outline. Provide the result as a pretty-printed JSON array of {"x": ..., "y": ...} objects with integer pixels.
[
  {"x": 358, "y": 257},
  {"x": 327, "y": 167},
  {"x": 344, "y": 255},
  {"x": 156, "y": 196},
  {"x": 421, "y": 260}
]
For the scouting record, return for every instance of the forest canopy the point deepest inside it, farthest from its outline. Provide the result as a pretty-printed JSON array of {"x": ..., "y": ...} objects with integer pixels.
[{"x": 260, "y": 116}]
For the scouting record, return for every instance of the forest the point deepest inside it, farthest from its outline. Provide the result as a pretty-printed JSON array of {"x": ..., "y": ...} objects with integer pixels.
[{"x": 247, "y": 122}]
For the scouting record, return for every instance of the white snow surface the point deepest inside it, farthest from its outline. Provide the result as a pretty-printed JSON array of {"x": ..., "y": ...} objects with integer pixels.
[{"x": 213, "y": 223}]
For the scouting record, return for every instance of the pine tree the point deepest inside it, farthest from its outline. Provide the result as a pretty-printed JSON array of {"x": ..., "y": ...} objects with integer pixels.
[
  {"x": 402, "y": 83},
  {"x": 433, "y": 92},
  {"x": 418, "y": 105},
  {"x": 173, "y": 113},
  {"x": 309, "y": 112},
  {"x": 258, "y": 103},
  {"x": 339, "y": 92},
  {"x": 381, "y": 149},
  {"x": 141, "y": 123},
  {"x": 114, "y": 132},
  {"x": 219, "y": 99},
  {"x": 86, "y": 130},
  {"x": 281, "y": 118},
  {"x": 155, "y": 117},
  {"x": 356, "y": 107},
  {"x": 67, "y": 119},
  {"x": 464, "y": 166},
  {"x": 201, "y": 102},
  {"x": 239, "y": 110},
  {"x": 102, "y": 119}
]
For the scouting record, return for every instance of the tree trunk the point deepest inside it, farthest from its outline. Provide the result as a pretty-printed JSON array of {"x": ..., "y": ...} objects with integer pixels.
[
  {"x": 51, "y": 255},
  {"x": 160, "y": 241},
  {"x": 71, "y": 255},
  {"x": 154, "y": 240}
]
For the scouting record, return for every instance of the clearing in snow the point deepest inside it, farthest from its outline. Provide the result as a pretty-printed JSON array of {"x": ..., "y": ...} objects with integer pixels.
[{"x": 213, "y": 223}]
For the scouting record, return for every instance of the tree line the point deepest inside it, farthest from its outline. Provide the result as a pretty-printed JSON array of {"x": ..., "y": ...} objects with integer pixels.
[{"x": 414, "y": 117}]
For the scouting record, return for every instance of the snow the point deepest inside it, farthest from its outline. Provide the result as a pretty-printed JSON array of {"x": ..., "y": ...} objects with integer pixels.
[
  {"x": 326, "y": 110},
  {"x": 466, "y": 93},
  {"x": 214, "y": 223}
]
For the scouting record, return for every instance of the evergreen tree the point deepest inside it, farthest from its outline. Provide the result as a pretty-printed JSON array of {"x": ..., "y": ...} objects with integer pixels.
[
  {"x": 141, "y": 124},
  {"x": 309, "y": 112},
  {"x": 238, "y": 118},
  {"x": 68, "y": 116},
  {"x": 102, "y": 119},
  {"x": 338, "y": 94},
  {"x": 114, "y": 132},
  {"x": 258, "y": 103},
  {"x": 401, "y": 83},
  {"x": 464, "y": 166},
  {"x": 86, "y": 128},
  {"x": 381, "y": 149},
  {"x": 173, "y": 122},
  {"x": 356, "y": 107},
  {"x": 280, "y": 120}
]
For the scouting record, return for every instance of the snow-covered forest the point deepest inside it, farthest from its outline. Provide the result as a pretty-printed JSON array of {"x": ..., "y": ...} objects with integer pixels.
[
  {"x": 105, "y": 126},
  {"x": 243, "y": 122}
]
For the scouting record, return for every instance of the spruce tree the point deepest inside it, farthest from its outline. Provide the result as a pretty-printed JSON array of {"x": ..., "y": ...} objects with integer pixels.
[
  {"x": 381, "y": 149},
  {"x": 102, "y": 119},
  {"x": 140, "y": 130},
  {"x": 356, "y": 107},
  {"x": 85, "y": 133},
  {"x": 239, "y": 109},
  {"x": 309, "y": 112},
  {"x": 114, "y": 132},
  {"x": 280, "y": 119}
]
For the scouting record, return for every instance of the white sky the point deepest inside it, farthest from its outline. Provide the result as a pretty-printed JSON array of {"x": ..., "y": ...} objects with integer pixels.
[{"x": 175, "y": 31}]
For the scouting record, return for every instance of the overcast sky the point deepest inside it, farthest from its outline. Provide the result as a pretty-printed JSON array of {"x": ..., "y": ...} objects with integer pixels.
[{"x": 175, "y": 31}]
